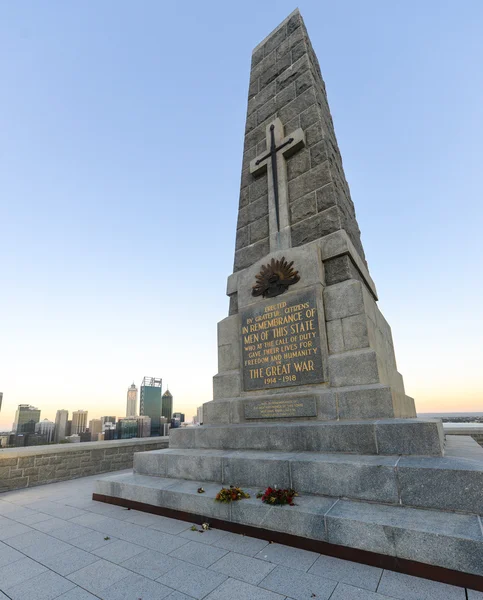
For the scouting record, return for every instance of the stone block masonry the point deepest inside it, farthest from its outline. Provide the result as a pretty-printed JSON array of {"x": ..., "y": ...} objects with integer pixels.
[
  {"x": 286, "y": 82},
  {"x": 36, "y": 465}
]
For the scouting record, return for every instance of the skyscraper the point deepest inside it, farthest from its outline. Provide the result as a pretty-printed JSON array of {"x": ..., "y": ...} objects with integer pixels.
[
  {"x": 26, "y": 417},
  {"x": 144, "y": 426},
  {"x": 167, "y": 405},
  {"x": 95, "y": 427},
  {"x": 1, "y": 398},
  {"x": 180, "y": 416},
  {"x": 61, "y": 419},
  {"x": 132, "y": 401},
  {"x": 150, "y": 404},
  {"x": 46, "y": 429},
  {"x": 79, "y": 421}
]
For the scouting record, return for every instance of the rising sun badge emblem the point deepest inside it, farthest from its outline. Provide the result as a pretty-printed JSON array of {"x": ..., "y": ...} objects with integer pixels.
[{"x": 275, "y": 278}]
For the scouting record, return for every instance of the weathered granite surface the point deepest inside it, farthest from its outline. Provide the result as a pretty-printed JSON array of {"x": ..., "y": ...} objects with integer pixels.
[
  {"x": 384, "y": 436},
  {"x": 286, "y": 82},
  {"x": 452, "y": 482},
  {"x": 445, "y": 539},
  {"x": 36, "y": 465}
]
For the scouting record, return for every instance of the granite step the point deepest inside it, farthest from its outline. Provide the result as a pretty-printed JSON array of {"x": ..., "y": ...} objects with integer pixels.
[
  {"x": 384, "y": 436},
  {"x": 446, "y": 483},
  {"x": 445, "y": 539}
]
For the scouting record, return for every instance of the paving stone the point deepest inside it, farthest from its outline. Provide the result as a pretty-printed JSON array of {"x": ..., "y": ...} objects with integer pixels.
[
  {"x": 192, "y": 580},
  {"x": 136, "y": 586},
  {"x": 29, "y": 539},
  {"x": 99, "y": 576},
  {"x": 178, "y": 596},
  {"x": 69, "y": 532},
  {"x": 118, "y": 551},
  {"x": 211, "y": 536},
  {"x": 49, "y": 525},
  {"x": 140, "y": 518},
  {"x": 89, "y": 519},
  {"x": 472, "y": 595},
  {"x": 198, "y": 554},
  {"x": 363, "y": 576},
  {"x": 232, "y": 588},
  {"x": 77, "y": 593},
  {"x": 31, "y": 519},
  {"x": 93, "y": 540},
  {"x": 298, "y": 585},
  {"x": 242, "y": 544},
  {"x": 18, "y": 572},
  {"x": 45, "y": 586},
  {"x": 151, "y": 564},
  {"x": 173, "y": 526},
  {"x": 348, "y": 592},
  {"x": 9, "y": 555},
  {"x": 156, "y": 540},
  {"x": 407, "y": 587},
  {"x": 42, "y": 550},
  {"x": 4, "y": 522},
  {"x": 11, "y": 531},
  {"x": 67, "y": 562},
  {"x": 245, "y": 568},
  {"x": 290, "y": 557}
]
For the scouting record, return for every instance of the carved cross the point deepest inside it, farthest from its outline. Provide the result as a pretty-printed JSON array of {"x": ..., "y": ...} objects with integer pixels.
[{"x": 273, "y": 161}]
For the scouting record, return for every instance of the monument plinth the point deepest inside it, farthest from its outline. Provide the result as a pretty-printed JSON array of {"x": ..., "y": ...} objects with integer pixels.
[{"x": 308, "y": 394}]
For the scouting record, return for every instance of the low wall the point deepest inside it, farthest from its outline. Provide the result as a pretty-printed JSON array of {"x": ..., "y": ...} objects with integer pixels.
[
  {"x": 36, "y": 465},
  {"x": 475, "y": 432}
]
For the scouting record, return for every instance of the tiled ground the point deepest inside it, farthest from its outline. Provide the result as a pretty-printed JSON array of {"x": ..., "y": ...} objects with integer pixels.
[{"x": 55, "y": 542}]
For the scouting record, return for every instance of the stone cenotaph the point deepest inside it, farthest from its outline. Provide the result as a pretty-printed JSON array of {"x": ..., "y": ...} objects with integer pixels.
[{"x": 308, "y": 395}]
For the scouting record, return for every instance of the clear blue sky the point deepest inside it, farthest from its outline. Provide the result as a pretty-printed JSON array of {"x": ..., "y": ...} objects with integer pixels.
[{"x": 121, "y": 128}]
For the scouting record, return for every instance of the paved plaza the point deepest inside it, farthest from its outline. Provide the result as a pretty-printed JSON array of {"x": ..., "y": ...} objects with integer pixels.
[{"x": 56, "y": 542}]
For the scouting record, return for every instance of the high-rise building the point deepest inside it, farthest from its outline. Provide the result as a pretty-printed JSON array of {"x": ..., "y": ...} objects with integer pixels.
[
  {"x": 61, "y": 419},
  {"x": 26, "y": 417},
  {"x": 180, "y": 416},
  {"x": 46, "y": 429},
  {"x": 167, "y": 405},
  {"x": 79, "y": 422},
  {"x": 132, "y": 401},
  {"x": 1, "y": 398},
  {"x": 150, "y": 401},
  {"x": 85, "y": 436},
  {"x": 95, "y": 427},
  {"x": 144, "y": 426},
  {"x": 109, "y": 430},
  {"x": 105, "y": 420},
  {"x": 164, "y": 426},
  {"x": 127, "y": 428}
]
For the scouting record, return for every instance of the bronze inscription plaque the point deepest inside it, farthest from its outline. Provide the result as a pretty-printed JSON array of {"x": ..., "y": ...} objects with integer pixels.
[
  {"x": 281, "y": 343},
  {"x": 279, "y": 409}
]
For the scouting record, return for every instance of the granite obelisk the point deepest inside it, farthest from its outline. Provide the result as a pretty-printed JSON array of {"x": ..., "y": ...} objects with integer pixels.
[{"x": 308, "y": 395}]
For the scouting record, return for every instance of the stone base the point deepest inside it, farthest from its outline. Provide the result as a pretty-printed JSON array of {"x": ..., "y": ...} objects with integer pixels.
[
  {"x": 381, "y": 437},
  {"x": 419, "y": 509},
  {"x": 443, "y": 483},
  {"x": 435, "y": 537}
]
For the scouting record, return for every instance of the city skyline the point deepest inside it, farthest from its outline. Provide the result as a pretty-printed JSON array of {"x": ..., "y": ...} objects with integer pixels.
[
  {"x": 59, "y": 417},
  {"x": 85, "y": 312}
]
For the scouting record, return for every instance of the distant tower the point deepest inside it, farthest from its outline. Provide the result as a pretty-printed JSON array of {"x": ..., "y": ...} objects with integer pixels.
[
  {"x": 167, "y": 405},
  {"x": 132, "y": 401},
  {"x": 46, "y": 428},
  {"x": 26, "y": 417},
  {"x": 61, "y": 419},
  {"x": 150, "y": 401},
  {"x": 79, "y": 421},
  {"x": 1, "y": 398},
  {"x": 95, "y": 427}
]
